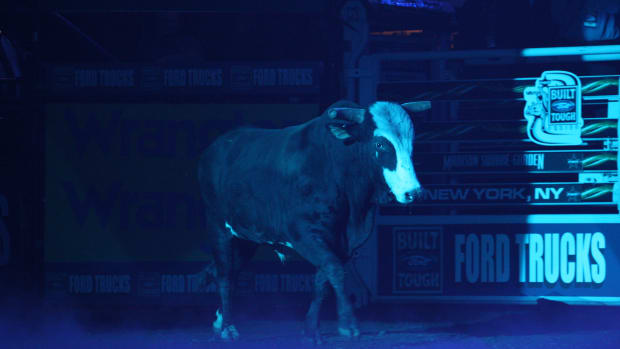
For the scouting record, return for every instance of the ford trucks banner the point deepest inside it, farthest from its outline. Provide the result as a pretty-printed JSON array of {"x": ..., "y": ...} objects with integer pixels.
[
  {"x": 124, "y": 215},
  {"x": 220, "y": 78},
  {"x": 528, "y": 257}
]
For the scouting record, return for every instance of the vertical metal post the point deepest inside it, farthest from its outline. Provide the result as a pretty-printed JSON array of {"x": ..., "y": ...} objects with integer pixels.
[
  {"x": 355, "y": 35},
  {"x": 368, "y": 75}
]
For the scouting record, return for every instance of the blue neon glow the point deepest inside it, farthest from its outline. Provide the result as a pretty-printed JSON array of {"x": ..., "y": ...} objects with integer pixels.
[
  {"x": 601, "y": 57},
  {"x": 421, "y": 4},
  {"x": 570, "y": 51}
]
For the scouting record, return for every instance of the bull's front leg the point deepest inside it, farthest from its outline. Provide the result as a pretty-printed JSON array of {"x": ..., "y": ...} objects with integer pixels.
[
  {"x": 314, "y": 249},
  {"x": 312, "y": 317},
  {"x": 347, "y": 323}
]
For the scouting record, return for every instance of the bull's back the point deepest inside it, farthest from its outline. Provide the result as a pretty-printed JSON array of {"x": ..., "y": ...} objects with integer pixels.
[
  {"x": 220, "y": 160},
  {"x": 249, "y": 175}
]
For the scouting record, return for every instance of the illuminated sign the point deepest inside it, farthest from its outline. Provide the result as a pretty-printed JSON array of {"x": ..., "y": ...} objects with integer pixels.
[
  {"x": 553, "y": 109},
  {"x": 476, "y": 257},
  {"x": 480, "y": 161},
  {"x": 435, "y": 5},
  {"x": 550, "y": 258},
  {"x": 517, "y": 193},
  {"x": 517, "y": 162},
  {"x": 513, "y": 130}
]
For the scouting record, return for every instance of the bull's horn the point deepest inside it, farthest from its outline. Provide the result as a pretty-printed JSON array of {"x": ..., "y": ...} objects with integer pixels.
[
  {"x": 416, "y": 107},
  {"x": 349, "y": 114}
]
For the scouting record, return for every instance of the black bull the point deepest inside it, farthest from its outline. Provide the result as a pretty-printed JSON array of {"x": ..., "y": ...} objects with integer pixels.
[{"x": 311, "y": 187}]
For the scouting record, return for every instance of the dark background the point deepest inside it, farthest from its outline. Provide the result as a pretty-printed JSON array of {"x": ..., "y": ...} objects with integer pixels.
[
  {"x": 71, "y": 32},
  {"x": 48, "y": 33}
]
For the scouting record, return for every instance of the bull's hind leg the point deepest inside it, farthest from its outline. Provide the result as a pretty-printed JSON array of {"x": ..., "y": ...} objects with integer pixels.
[
  {"x": 222, "y": 252},
  {"x": 231, "y": 254}
]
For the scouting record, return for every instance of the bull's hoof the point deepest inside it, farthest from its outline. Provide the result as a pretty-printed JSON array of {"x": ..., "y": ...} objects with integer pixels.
[
  {"x": 349, "y": 332},
  {"x": 313, "y": 337},
  {"x": 226, "y": 333}
]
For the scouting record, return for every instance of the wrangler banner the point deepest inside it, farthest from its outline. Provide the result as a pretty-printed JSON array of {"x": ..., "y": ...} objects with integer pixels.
[{"x": 124, "y": 216}]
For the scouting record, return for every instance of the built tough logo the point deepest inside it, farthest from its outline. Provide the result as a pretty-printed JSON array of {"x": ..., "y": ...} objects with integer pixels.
[
  {"x": 553, "y": 109},
  {"x": 418, "y": 258}
]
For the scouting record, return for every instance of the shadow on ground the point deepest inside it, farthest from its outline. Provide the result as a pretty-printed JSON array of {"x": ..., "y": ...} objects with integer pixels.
[{"x": 31, "y": 323}]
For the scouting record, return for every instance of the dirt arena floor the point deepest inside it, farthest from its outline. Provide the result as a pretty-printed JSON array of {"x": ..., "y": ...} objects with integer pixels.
[{"x": 546, "y": 325}]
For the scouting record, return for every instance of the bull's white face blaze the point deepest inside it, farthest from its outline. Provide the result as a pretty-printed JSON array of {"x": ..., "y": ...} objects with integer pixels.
[{"x": 394, "y": 124}]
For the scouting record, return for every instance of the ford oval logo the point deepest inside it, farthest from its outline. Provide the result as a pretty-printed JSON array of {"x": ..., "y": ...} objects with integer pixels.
[{"x": 562, "y": 105}]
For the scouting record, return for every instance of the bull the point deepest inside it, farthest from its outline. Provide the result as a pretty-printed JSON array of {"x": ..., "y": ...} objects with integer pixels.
[{"x": 312, "y": 188}]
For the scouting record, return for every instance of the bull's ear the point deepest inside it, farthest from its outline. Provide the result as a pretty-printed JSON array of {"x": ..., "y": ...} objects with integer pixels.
[
  {"x": 342, "y": 131},
  {"x": 345, "y": 122},
  {"x": 416, "y": 107}
]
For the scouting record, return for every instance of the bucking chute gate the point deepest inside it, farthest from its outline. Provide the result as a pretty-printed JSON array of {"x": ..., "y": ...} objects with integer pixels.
[{"x": 521, "y": 192}]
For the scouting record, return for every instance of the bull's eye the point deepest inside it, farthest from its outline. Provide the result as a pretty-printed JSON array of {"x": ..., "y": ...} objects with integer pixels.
[{"x": 385, "y": 154}]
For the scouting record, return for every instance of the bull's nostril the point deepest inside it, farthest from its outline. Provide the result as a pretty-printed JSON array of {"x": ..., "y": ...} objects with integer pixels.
[{"x": 409, "y": 196}]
